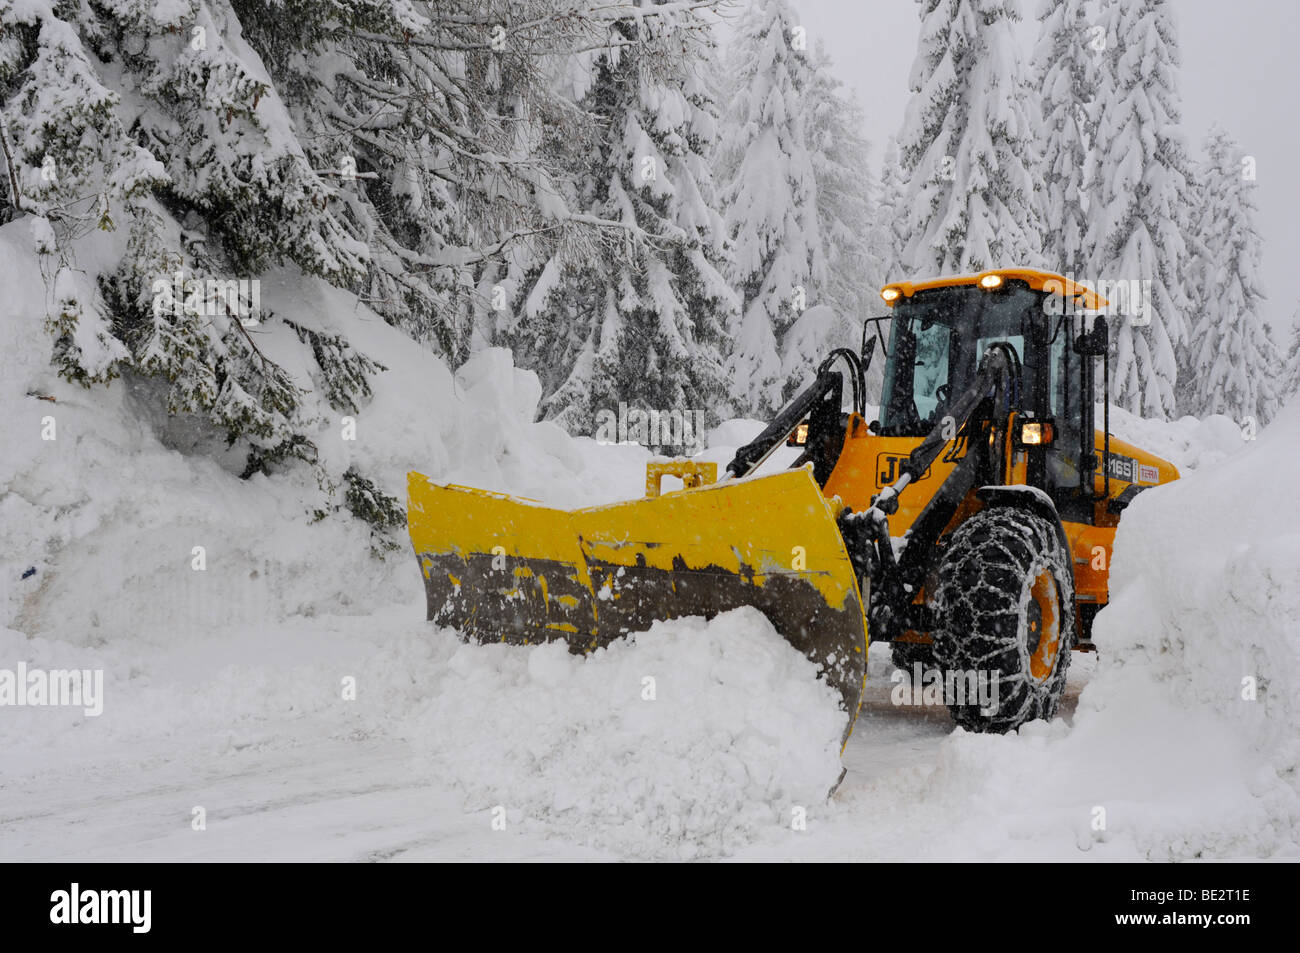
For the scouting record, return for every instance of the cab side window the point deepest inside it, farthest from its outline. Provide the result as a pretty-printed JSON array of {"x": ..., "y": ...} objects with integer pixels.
[{"x": 1064, "y": 396}]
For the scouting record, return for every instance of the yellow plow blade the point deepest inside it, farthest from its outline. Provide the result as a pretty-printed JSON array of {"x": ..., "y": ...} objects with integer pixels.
[{"x": 499, "y": 568}]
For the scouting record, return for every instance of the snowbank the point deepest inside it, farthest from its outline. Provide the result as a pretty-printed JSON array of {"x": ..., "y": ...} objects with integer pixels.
[
  {"x": 1205, "y": 610},
  {"x": 1189, "y": 443},
  {"x": 685, "y": 742},
  {"x": 681, "y": 743},
  {"x": 101, "y": 524}
]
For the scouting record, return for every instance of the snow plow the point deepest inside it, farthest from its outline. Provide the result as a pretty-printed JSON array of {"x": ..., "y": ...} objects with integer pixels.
[
  {"x": 970, "y": 525},
  {"x": 498, "y": 568}
]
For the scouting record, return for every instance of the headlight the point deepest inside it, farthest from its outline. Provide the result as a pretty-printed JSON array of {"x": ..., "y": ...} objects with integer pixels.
[{"x": 1036, "y": 433}]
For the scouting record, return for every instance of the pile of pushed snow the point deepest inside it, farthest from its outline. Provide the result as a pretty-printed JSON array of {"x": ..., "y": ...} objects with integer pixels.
[
  {"x": 681, "y": 742},
  {"x": 734, "y": 732},
  {"x": 1205, "y": 590}
]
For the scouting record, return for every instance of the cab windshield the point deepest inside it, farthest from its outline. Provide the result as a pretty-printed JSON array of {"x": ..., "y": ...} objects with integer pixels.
[{"x": 935, "y": 345}]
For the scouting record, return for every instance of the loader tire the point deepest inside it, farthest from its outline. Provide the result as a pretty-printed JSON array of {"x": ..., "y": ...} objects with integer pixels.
[{"x": 1004, "y": 609}]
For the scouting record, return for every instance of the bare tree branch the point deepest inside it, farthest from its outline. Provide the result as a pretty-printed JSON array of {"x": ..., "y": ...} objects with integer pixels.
[{"x": 9, "y": 166}]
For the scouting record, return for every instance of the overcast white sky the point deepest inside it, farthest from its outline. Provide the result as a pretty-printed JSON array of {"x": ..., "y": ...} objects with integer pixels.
[{"x": 1240, "y": 67}]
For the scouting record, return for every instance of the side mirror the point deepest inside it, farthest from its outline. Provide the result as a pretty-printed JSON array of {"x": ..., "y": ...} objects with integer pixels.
[
  {"x": 880, "y": 337},
  {"x": 868, "y": 352},
  {"x": 1094, "y": 343}
]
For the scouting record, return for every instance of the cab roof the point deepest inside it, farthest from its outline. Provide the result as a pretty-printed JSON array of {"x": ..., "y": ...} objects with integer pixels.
[{"x": 1037, "y": 280}]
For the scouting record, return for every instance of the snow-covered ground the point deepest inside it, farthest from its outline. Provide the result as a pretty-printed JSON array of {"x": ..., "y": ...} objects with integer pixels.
[{"x": 228, "y": 689}]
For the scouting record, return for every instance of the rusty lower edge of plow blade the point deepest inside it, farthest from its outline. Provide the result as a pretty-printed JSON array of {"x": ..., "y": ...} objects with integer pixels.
[{"x": 502, "y": 569}]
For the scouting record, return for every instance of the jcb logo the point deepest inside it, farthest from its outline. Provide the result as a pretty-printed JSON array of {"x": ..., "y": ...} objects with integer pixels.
[{"x": 889, "y": 468}]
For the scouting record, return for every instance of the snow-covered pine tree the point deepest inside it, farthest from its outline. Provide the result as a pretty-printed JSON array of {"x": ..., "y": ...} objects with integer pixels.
[
  {"x": 642, "y": 321},
  {"x": 242, "y": 196},
  {"x": 1199, "y": 284},
  {"x": 401, "y": 149},
  {"x": 967, "y": 144},
  {"x": 442, "y": 128},
  {"x": 888, "y": 242},
  {"x": 770, "y": 197},
  {"x": 61, "y": 126},
  {"x": 1064, "y": 73},
  {"x": 71, "y": 163},
  {"x": 846, "y": 190},
  {"x": 197, "y": 168},
  {"x": 1289, "y": 372},
  {"x": 1235, "y": 362},
  {"x": 384, "y": 113},
  {"x": 1277, "y": 355},
  {"x": 1140, "y": 193},
  {"x": 889, "y": 227}
]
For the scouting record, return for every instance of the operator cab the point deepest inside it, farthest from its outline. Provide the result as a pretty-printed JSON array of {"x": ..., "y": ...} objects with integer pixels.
[
  {"x": 938, "y": 337},
  {"x": 941, "y": 329}
]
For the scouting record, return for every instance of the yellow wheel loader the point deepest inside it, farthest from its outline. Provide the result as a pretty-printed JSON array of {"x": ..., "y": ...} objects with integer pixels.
[{"x": 970, "y": 525}]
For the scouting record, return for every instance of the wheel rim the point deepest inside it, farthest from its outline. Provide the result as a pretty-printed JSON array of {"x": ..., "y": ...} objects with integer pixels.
[{"x": 1043, "y": 626}]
